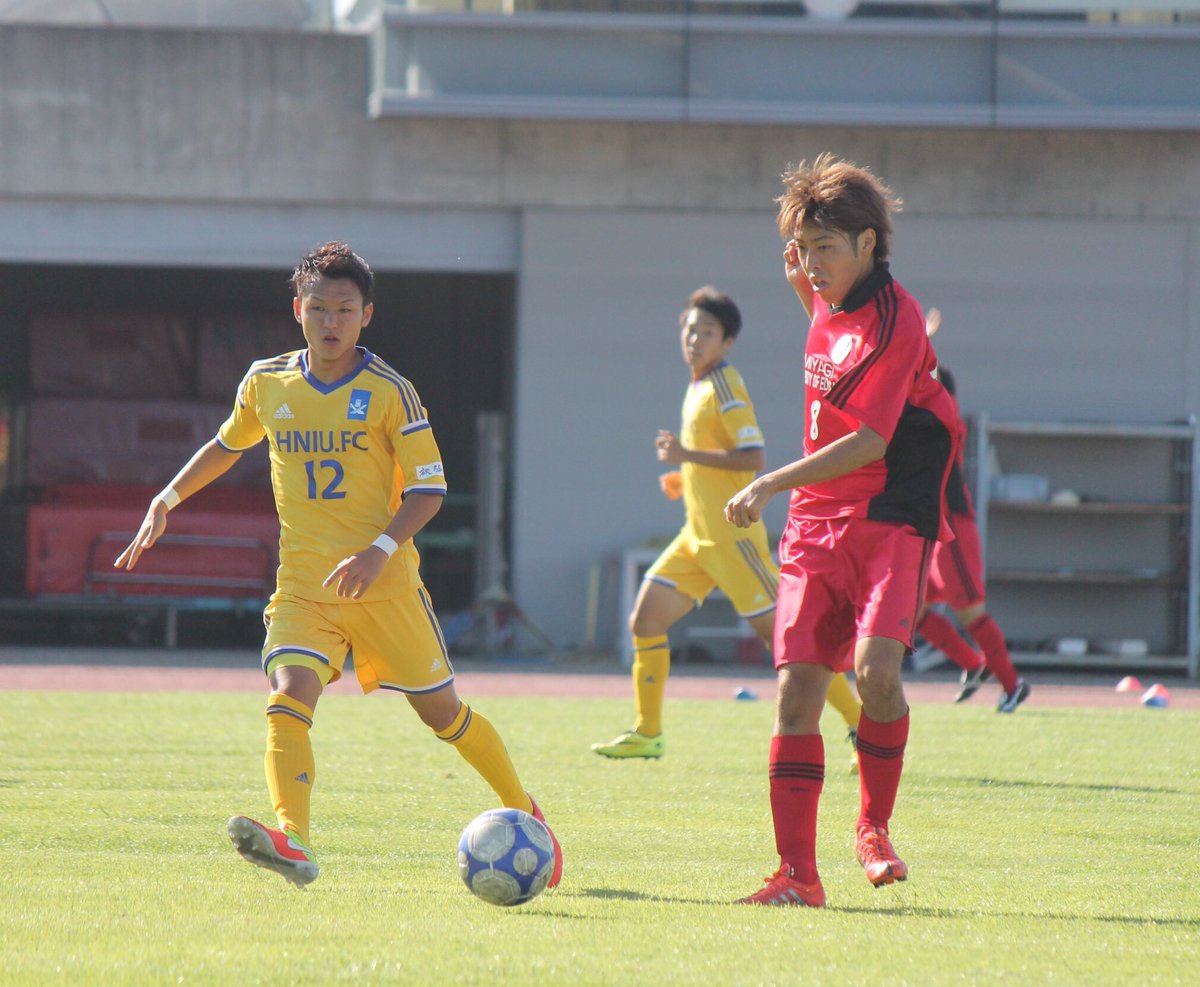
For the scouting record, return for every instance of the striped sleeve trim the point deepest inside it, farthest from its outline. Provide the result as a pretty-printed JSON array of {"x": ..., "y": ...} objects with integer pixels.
[
  {"x": 425, "y": 488},
  {"x": 408, "y": 393},
  {"x": 229, "y": 448},
  {"x": 887, "y": 306},
  {"x": 269, "y": 365},
  {"x": 731, "y": 405},
  {"x": 722, "y": 388},
  {"x": 417, "y": 426}
]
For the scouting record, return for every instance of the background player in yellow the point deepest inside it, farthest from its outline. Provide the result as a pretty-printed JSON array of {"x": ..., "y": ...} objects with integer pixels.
[
  {"x": 719, "y": 449},
  {"x": 356, "y": 472}
]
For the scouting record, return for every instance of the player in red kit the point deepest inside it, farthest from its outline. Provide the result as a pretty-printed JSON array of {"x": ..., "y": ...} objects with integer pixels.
[
  {"x": 956, "y": 579},
  {"x": 865, "y": 511}
]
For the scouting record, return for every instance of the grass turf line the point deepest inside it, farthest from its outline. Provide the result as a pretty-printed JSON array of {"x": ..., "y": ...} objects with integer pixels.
[{"x": 1051, "y": 845}]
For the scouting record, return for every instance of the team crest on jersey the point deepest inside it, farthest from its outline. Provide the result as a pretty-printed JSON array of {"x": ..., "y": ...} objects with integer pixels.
[
  {"x": 841, "y": 349},
  {"x": 359, "y": 400}
]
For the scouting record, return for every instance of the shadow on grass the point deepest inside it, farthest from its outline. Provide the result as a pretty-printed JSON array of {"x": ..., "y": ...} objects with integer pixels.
[
  {"x": 612, "y": 894},
  {"x": 1066, "y": 785},
  {"x": 951, "y": 913},
  {"x": 903, "y": 911}
]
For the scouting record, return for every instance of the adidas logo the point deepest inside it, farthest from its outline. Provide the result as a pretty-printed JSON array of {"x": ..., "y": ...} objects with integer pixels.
[
  {"x": 437, "y": 663},
  {"x": 283, "y": 411},
  {"x": 303, "y": 777}
]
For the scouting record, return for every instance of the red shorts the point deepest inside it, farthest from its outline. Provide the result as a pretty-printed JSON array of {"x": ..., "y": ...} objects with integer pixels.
[
  {"x": 956, "y": 572},
  {"x": 844, "y": 579}
]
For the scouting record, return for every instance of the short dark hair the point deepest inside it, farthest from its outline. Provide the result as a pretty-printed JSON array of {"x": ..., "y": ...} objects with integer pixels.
[
  {"x": 334, "y": 259},
  {"x": 717, "y": 304},
  {"x": 837, "y": 195}
]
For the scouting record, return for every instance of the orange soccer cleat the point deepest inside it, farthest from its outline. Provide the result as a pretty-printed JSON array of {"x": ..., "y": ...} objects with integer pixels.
[
  {"x": 556, "y": 874},
  {"x": 279, "y": 850},
  {"x": 783, "y": 889},
  {"x": 874, "y": 851}
]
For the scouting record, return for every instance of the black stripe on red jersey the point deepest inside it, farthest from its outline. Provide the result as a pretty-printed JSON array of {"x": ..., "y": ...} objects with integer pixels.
[
  {"x": 963, "y": 568},
  {"x": 958, "y": 501},
  {"x": 916, "y": 462},
  {"x": 887, "y": 306}
]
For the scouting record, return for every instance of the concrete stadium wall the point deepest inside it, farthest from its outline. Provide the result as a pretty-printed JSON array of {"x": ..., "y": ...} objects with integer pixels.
[{"x": 1067, "y": 264}]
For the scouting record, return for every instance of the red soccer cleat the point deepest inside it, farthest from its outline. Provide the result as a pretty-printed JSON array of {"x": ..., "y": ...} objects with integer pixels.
[
  {"x": 556, "y": 875},
  {"x": 874, "y": 851},
  {"x": 278, "y": 850},
  {"x": 783, "y": 889}
]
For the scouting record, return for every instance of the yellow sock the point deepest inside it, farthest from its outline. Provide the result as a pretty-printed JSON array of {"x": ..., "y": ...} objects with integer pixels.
[
  {"x": 289, "y": 763},
  {"x": 474, "y": 737},
  {"x": 842, "y": 698},
  {"x": 651, "y": 664}
]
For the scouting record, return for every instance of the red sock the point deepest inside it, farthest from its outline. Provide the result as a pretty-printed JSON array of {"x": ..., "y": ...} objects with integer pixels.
[
  {"x": 939, "y": 632},
  {"x": 880, "y": 761},
  {"x": 797, "y": 769},
  {"x": 990, "y": 638}
]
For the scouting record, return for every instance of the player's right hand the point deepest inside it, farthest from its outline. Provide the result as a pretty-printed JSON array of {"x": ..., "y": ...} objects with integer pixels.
[
  {"x": 153, "y": 525},
  {"x": 746, "y": 506},
  {"x": 793, "y": 269}
]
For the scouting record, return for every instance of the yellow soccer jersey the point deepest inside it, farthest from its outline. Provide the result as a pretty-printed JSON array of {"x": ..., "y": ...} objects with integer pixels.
[
  {"x": 717, "y": 414},
  {"x": 342, "y": 455}
]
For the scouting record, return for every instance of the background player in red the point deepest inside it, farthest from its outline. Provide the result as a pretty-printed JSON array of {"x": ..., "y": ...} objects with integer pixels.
[
  {"x": 956, "y": 579},
  {"x": 866, "y": 507}
]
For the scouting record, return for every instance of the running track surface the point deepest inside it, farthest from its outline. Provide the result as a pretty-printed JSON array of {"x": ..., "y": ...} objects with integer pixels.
[{"x": 1049, "y": 689}]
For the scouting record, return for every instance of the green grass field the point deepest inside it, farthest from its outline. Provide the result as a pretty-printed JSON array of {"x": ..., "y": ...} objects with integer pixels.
[{"x": 1048, "y": 847}]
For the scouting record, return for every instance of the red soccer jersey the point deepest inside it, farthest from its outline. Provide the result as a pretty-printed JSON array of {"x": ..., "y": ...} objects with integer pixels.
[
  {"x": 958, "y": 494},
  {"x": 869, "y": 362}
]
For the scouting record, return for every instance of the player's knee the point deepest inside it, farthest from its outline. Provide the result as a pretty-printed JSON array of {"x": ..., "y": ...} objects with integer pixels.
[
  {"x": 799, "y": 702},
  {"x": 881, "y": 688},
  {"x": 645, "y": 624}
]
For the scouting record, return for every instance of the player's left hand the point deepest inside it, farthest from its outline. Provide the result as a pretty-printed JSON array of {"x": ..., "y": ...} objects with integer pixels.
[
  {"x": 746, "y": 506},
  {"x": 356, "y": 572},
  {"x": 668, "y": 447}
]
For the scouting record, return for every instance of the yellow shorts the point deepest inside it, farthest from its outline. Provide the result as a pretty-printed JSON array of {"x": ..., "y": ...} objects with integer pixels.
[
  {"x": 743, "y": 569},
  {"x": 396, "y": 644}
]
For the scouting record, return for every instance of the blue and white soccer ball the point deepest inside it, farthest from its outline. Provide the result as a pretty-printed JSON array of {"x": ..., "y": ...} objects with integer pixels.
[{"x": 506, "y": 857}]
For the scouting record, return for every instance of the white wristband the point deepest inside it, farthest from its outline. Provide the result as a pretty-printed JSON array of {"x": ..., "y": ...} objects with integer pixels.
[
  {"x": 169, "y": 497},
  {"x": 387, "y": 543}
]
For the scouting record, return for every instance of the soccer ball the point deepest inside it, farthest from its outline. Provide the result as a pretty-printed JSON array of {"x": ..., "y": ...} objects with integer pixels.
[{"x": 506, "y": 857}]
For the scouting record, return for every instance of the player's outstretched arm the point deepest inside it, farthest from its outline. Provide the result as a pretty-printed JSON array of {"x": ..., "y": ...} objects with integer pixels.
[
  {"x": 356, "y": 572},
  {"x": 211, "y": 461}
]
